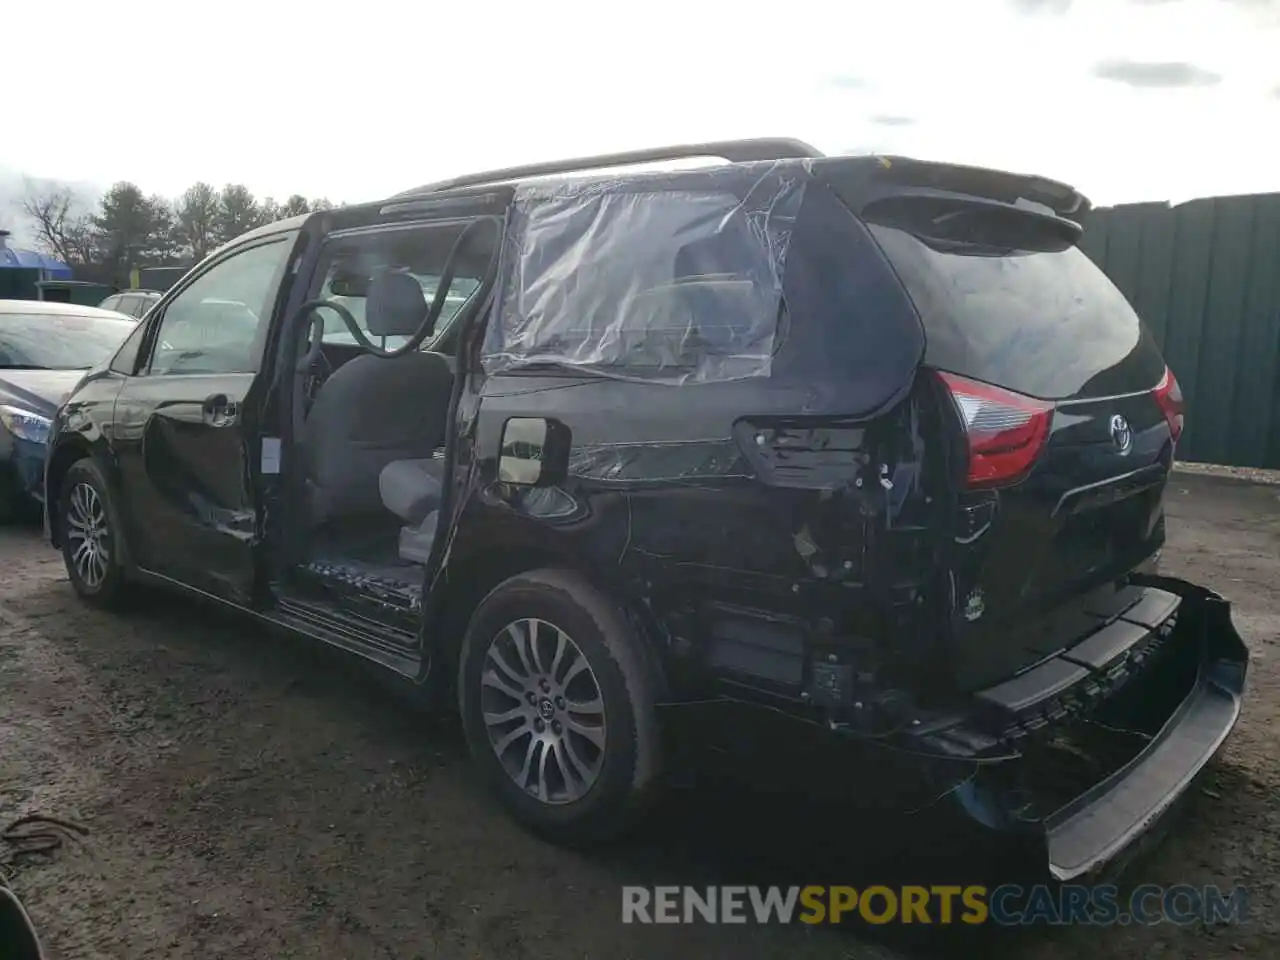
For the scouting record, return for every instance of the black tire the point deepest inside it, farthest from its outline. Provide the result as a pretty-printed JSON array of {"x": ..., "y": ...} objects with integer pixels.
[
  {"x": 107, "y": 591},
  {"x": 629, "y": 760}
]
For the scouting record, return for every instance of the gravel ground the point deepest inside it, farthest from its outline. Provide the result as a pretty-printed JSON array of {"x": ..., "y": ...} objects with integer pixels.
[
  {"x": 249, "y": 797},
  {"x": 1252, "y": 474}
]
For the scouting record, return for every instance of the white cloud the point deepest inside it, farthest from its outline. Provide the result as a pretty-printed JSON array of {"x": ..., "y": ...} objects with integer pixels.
[{"x": 357, "y": 101}]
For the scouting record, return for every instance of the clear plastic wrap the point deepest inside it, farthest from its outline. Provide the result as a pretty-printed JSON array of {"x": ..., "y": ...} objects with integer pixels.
[{"x": 670, "y": 280}]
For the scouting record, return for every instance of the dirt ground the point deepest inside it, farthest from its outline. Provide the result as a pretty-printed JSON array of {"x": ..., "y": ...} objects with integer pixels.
[{"x": 249, "y": 797}]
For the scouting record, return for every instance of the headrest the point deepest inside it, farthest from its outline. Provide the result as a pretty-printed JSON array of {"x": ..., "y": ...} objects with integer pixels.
[{"x": 395, "y": 306}]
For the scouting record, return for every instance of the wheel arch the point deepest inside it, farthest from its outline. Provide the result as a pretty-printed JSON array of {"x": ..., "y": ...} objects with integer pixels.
[
  {"x": 70, "y": 451},
  {"x": 466, "y": 580}
]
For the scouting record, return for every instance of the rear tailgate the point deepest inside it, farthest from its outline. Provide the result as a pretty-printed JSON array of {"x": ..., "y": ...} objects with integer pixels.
[{"x": 1065, "y": 422}]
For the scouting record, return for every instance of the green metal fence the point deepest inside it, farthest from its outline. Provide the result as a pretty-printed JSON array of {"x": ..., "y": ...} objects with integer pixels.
[{"x": 1205, "y": 276}]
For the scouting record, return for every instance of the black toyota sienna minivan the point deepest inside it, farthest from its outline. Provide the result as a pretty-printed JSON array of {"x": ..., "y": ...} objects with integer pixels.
[{"x": 862, "y": 448}]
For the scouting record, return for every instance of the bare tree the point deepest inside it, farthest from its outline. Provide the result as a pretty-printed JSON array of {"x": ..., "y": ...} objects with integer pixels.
[
  {"x": 125, "y": 226},
  {"x": 63, "y": 227}
]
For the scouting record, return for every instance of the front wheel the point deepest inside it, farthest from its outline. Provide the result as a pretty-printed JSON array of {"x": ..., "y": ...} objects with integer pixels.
[
  {"x": 557, "y": 704},
  {"x": 90, "y": 535}
]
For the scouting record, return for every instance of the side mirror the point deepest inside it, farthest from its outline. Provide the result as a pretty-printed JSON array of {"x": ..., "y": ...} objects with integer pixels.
[{"x": 534, "y": 452}]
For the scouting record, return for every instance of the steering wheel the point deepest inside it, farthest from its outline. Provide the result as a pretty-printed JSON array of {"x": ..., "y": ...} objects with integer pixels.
[
  {"x": 312, "y": 367},
  {"x": 318, "y": 370}
]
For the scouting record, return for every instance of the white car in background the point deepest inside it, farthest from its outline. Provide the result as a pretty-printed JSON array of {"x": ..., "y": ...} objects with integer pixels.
[{"x": 132, "y": 303}]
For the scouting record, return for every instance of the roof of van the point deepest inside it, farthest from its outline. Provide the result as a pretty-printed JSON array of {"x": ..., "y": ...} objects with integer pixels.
[
  {"x": 1062, "y": 198},
  {"x": 733, "y": 151}
]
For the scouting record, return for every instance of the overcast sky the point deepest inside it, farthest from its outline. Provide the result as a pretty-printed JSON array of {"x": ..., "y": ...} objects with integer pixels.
[{"x": 1126, "y": 99}]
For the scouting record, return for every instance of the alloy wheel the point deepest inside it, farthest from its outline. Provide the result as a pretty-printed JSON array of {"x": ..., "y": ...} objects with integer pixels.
[
  {"x": 543, "y": 711},
  {"x": 88, "y": 535}
]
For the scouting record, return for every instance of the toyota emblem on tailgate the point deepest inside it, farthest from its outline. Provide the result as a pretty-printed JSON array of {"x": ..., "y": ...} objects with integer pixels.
[{"x": 1121, "y": 435}]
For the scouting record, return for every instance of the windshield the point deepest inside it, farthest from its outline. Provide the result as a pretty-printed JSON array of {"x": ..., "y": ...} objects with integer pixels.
[{"x": 54, "y": 341}]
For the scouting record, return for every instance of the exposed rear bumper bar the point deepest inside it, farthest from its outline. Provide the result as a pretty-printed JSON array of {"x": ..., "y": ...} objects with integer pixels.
[
  {"x": 1174, "y": 664},
  {"x": 1100, "y": 825},
  {"x": 1169, "y": 659},
  {"x": 1089, "y": 833}
]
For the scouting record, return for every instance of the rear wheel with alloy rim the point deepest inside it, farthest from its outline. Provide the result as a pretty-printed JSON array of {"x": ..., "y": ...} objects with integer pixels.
[
  {"x": 557, "y": 704},
  {"x": 89, "y": 535},
  {"x": 543, "y": 711}
]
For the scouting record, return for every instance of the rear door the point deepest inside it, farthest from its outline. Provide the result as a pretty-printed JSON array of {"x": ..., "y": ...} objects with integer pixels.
[
  {"x": 1066, "y": 419},
  {"x": 186, "y": 431}
]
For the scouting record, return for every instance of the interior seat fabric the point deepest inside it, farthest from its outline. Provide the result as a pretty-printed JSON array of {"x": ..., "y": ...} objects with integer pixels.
[
  {"x": 411, "y": 489},
  {"x": 374, "y": 410}
]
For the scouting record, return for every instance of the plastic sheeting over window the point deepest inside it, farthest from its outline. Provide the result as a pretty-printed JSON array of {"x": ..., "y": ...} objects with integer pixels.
[{"x": 678, "y": 281}]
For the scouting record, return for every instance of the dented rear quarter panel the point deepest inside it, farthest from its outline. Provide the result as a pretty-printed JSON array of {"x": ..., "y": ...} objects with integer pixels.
[
  {"x": 732, "y": 528},
  {"x": 749, "y": 518}
]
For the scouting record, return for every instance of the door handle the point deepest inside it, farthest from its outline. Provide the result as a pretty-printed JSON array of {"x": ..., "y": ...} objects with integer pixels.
[{"x": 218, "y": 410}]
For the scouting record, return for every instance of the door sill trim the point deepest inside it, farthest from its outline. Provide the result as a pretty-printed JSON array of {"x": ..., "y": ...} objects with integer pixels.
[
  {"x": 308, "y": 620},
  {"x": 321, "y": 623}
]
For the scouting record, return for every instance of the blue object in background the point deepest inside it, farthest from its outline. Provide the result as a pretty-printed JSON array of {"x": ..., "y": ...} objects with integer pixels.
[{"x": 52, "y": 268}]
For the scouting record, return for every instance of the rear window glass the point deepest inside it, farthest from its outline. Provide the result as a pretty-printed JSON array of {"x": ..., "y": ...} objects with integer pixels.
[{"x": 1047, "y": 323}]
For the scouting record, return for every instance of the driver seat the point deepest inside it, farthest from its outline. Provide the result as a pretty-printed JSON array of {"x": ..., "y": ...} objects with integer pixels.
[{"x": 374, "y": 410}]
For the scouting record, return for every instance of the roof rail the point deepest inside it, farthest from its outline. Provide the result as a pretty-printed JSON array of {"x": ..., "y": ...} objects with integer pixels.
[{"x": 735, "y": 151}]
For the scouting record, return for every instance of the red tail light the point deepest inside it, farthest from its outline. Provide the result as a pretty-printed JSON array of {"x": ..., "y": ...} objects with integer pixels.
[
  {"x": 1169, "y": 396},
  {"x": 1005, "y": 430}
]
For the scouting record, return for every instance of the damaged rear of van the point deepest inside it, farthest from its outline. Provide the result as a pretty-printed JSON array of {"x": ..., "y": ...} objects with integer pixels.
[{"x": 871, "y": 444}]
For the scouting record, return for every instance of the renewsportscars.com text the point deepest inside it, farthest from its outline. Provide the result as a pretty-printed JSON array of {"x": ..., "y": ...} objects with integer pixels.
[{"x": 1009, "y": 905}]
